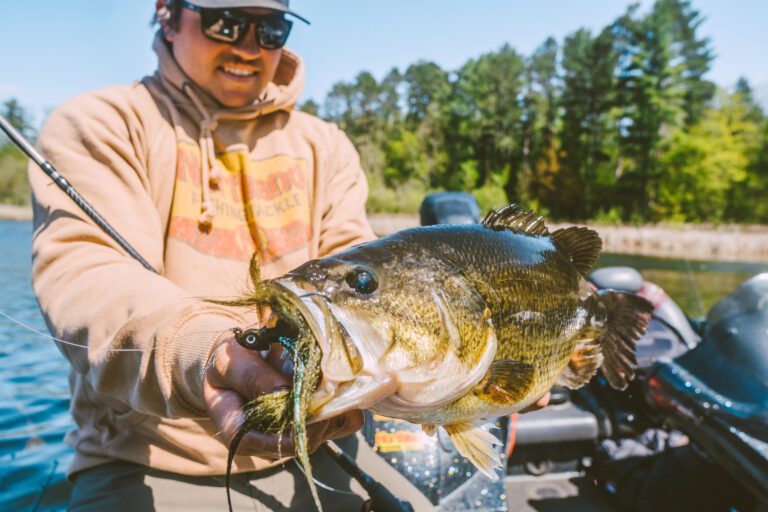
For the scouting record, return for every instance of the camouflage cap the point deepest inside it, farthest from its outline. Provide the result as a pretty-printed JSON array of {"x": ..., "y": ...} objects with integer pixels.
[{"x": 275, "y": 5}]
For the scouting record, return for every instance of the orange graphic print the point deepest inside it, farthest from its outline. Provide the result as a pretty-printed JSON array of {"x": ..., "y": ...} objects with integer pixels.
[{"x": 260, "y": 205}]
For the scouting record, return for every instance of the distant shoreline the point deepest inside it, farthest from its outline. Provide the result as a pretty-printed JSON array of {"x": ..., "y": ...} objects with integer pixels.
[
  {"x": 747, "y": 243},
  {"x": 737, "y": 243},
  {"x": 13, "y": 212}
]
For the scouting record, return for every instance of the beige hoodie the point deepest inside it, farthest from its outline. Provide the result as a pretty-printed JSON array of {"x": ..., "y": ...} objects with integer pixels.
[{"x": 196, "y": 189}]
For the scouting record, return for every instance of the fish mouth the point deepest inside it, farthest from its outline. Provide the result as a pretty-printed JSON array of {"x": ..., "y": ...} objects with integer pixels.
[{"x": 352, "y": 377}]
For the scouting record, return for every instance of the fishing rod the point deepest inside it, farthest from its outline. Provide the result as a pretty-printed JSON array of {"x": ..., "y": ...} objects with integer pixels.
[
  {"x": 27, "y": 148},
  {"x": 382, "y": 499}
]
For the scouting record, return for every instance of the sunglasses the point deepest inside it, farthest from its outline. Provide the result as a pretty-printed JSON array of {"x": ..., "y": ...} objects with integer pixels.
[{"x": 231, "y": 26}]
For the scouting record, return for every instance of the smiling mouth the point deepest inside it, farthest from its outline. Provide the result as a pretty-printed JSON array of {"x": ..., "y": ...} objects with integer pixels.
[{"x": 239, "y": 71}]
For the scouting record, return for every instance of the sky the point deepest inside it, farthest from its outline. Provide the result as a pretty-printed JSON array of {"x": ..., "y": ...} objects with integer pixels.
[{"x": 52, "y": 50}]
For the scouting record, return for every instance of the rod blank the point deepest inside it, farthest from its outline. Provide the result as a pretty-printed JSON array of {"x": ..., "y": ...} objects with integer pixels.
[{"x": 27, "y": 148}]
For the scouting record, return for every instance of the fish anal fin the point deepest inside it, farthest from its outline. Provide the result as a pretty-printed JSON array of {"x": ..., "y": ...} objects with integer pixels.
[
  {"x": 628, "y": 317},
  {"x": 474, "y": 441},
  {"x": 506, "y": 382},
  {"x": 586, "y": 359},
  {"x": 516, "y": 219},
  {"x": 581, "y": 245}
]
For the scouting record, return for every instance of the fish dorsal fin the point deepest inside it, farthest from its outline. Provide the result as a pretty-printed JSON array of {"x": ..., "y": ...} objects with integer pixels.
[
  {"x": 506, "y": 382},
  {"x": 518, "y": 220},
  {"x": 476, "y": 443},
  {"x": 628, "y": 317},
  {"x": 582, "y": 245}
]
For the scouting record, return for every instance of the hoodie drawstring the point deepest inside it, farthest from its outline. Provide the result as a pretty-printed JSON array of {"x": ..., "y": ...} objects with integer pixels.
[
  {"x": 211, "y": 174},
  {"x": 210, "y": 171}
]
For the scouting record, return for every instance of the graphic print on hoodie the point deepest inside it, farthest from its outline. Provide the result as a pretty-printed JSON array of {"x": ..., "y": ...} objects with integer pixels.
[{"x": 260, "y": 205}]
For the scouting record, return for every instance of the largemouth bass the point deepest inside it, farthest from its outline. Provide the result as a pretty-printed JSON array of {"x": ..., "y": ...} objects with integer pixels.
[{"x": 444, "y": 326}]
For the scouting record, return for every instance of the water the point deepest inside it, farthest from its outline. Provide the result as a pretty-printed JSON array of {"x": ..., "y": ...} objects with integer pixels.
[
  {"x": 34, "y": 396},
  {"x": 694, "y": 285}
]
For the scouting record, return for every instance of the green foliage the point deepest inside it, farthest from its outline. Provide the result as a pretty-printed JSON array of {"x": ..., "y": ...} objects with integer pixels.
[
  {"x": 610, "y": 216},
  {"x": 14, "y": 187},
  {"x": 310, "y": 107},
  {"x": 492, "y": 194},
  {"x": 588, "y": 127},
  {"x": 617, "y": 127},
  {"x": 704, "y": 164},
  {"x": 404, "y": 198}
]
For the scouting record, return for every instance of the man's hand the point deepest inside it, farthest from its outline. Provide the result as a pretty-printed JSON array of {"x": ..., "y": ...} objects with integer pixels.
[
  {"x": 238, "y": 375},
  {"x": 540, "y": 403}
]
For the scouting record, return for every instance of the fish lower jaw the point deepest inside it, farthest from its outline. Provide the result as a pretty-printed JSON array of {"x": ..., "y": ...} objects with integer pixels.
[{"x": 361, "y": 393}]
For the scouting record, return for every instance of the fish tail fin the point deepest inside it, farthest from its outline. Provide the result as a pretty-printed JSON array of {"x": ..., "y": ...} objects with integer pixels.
[
  {"x": 476, "y": 443},
  {"x": 628, "y": 317}
]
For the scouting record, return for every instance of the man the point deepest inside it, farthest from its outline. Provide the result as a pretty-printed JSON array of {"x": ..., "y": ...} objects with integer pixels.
[{"x": 199, "y": 166}]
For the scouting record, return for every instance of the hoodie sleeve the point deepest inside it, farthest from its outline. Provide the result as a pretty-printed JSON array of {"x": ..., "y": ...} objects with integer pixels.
[
  {"x": 145, "y": 340},
  {"x": 344, "y": 222}
]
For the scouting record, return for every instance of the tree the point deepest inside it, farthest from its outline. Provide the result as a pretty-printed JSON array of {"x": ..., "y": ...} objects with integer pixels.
[
  {"x": 310, "y": 107},
  {"x": 19, "y": 117},
  {"x": 588, "y": 129},
  {"x": 692, "y": 54},
  {"x": 426, "y": 85},
  {"x": 744, "y": 91},
  {"x": 651, "y": 97},
  {"x": 707, "y": 164},
  {"x": 486, "y": 112},
  {"x": 14, "y": 187},
  {"x": 538, "y": 123}
]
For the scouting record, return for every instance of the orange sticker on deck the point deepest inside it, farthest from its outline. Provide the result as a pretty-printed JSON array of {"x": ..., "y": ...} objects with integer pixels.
[
  {"x": 260, "y": 206},
  {"x": 399, "y": 441},
  {"x": 379, "y": 417}
]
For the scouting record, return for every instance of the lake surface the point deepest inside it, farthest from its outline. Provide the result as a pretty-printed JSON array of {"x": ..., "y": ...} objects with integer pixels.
[{"x": 34, "y": 396}]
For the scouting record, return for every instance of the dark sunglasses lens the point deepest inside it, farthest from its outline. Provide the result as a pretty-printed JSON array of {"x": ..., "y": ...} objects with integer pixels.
[
  {"x": 223, "y": 26},
  {"x": 273, "y": 32}
]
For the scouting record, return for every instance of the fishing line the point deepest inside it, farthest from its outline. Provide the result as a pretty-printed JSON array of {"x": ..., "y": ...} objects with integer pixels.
[
  {"x": 65, "y": 342},
  {"x": 694, "y": 287},
  {"x": 321, "y": 484},
  {"x": 86, "y": 347}
]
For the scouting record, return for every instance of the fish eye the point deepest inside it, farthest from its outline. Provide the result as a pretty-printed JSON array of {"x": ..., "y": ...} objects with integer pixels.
[{"x": 362, "y": 280}]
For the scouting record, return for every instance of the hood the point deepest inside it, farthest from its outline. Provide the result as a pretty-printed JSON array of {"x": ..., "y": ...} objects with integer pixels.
[{"x": 173, "y": 87}]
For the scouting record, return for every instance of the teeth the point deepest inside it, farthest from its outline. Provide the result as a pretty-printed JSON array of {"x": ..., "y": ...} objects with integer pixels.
[{"x": 239, "y": 71}]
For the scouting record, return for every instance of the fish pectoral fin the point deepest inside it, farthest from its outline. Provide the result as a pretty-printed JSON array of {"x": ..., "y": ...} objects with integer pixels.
[
  {"x": 506, "y": 382},
  {"x": 474, "y": 441},
  {"x": 628, "y": 317},
  {"x": 586, "y": 359}
]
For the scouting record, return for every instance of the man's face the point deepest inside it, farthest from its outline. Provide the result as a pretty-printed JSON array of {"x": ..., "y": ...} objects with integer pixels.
[{"x": 235, "y": 75}]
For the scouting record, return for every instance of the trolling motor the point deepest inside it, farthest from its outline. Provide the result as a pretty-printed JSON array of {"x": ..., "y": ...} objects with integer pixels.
[{"x": 253, "y": 339}]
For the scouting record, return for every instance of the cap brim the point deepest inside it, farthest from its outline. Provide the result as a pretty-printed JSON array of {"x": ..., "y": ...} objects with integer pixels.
[{"x": 244, "y": 4}]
